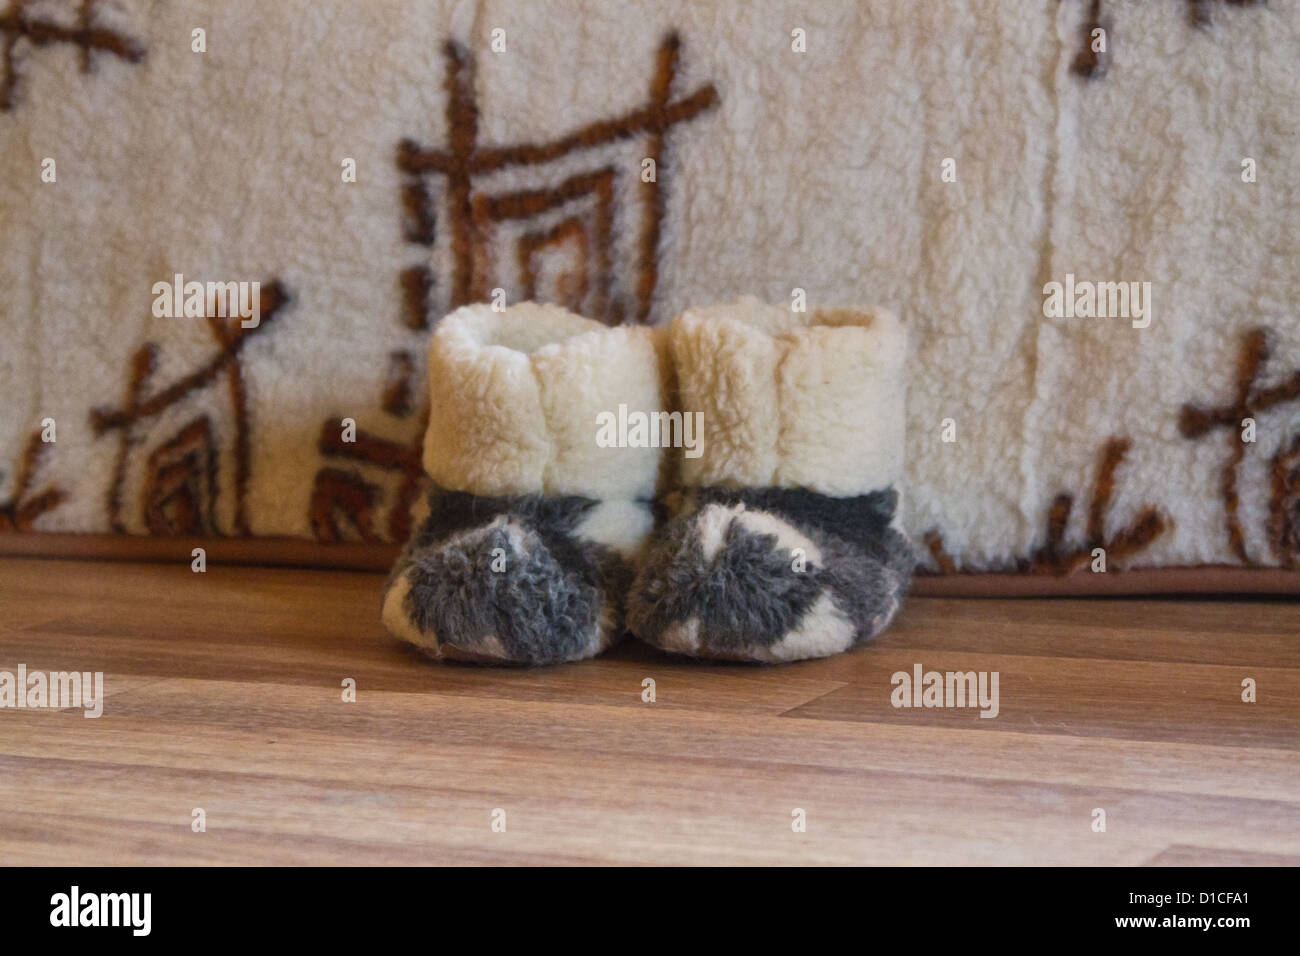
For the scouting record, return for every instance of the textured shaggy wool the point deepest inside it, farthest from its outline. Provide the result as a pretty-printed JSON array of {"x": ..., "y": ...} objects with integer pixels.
[
  {"x": 507, "y": 580},
  {"x": 528, "y": 545},
  {"x": 786, "y": 543},
  {"x": 630, "y": 160},
  {"x": 772, "y": 575}
]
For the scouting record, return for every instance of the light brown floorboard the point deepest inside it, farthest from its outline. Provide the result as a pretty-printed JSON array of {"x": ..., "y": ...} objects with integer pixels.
[{"x": 223, "y": 693}]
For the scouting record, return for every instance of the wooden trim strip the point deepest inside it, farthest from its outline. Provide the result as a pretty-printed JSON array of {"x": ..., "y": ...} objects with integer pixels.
[
  {"x": 283, "y": 552},
  {"x": 1207, "y": 579},
  {"x": 364, "y": 556}
]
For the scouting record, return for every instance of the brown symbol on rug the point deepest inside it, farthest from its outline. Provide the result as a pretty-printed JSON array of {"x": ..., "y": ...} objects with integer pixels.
[
  {"x": 180, "y": 476},
  {"x": 551, "y": 238},
  {"x": 1091, "y": 64},
  {"x": 21, "y": 510},
  {"x": 342, "y": 498},
  {"x": 18, "y": 23},
  {"x": 1055, "y": 556},
  {"x": 1284, "y": 503},
  {"x": 1251, "y": 399}
]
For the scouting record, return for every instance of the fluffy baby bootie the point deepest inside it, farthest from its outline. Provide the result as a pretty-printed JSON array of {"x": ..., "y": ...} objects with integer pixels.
[
  {"x": 786, "y": 542},
  {"x": 533, "y": 525}
]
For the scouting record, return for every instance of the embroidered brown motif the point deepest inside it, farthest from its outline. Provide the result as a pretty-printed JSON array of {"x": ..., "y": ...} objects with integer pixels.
[
  {"x": 934, "y": 544},
  {"x": 1147, "y": 525},
  {"x": 1056, "y": 556},
  {"x": 180, "y": 487},
  {"x": 343, "y": 498},
  {"x": 1091, "y": 63},
  {"x": 340, "y": 496},
  {"x": 19, "y": 23},
  {"x": 22, "y": 509},
  {"x": 399, "y": 386},
  {"x": 180, "y": 490},
  {"x": 1250, "y": 399},
  {"x": 551, "y": 239},
  {"x": 511, "y": 239},
  {"x": 344, "y": 505},
  {"x": 1199, "y": 10},
  {"x": 1284, "y": 504}
]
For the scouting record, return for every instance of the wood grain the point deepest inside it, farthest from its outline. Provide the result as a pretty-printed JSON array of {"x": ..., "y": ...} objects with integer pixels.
[{"x": 223, "y": 691}]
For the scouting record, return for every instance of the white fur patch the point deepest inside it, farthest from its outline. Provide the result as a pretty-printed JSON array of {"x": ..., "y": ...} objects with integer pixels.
[
  {"x": 489, "y": 645},
  {"x": 787, "y": 536},
  {"x": 682, "y": 637},
  {"x": 398, "y": 622},
  {"x": 623, "y": 526},
  {"x": 823, "y": 630},
  {"x": 601, "y": 636},
  {"x": 711, "y": 526},
  {"x": 881, "y": 620},
  {"x": 516, "y": 534},
  {"x": 712, "y": 522}
]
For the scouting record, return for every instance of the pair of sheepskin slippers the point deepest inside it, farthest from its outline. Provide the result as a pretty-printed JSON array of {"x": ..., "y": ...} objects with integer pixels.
[{"x": 723, "y": 487}]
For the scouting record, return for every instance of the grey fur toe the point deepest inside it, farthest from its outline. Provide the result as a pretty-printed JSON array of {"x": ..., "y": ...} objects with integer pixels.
[
  {"x": 758, "y": 575},
  {"x": 506, "y": 581}
]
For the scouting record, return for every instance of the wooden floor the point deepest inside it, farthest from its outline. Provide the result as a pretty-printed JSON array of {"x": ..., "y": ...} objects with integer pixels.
[{"x": 224, "y": 692}]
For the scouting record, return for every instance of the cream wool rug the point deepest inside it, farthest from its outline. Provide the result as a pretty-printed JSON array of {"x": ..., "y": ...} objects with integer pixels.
[{"x": 945, "y": 160}]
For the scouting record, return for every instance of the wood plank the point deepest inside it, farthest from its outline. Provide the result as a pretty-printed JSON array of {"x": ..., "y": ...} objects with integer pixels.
[
  {"x": 223, "y": 693},
  {"x": 1139, "y": 700}
]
